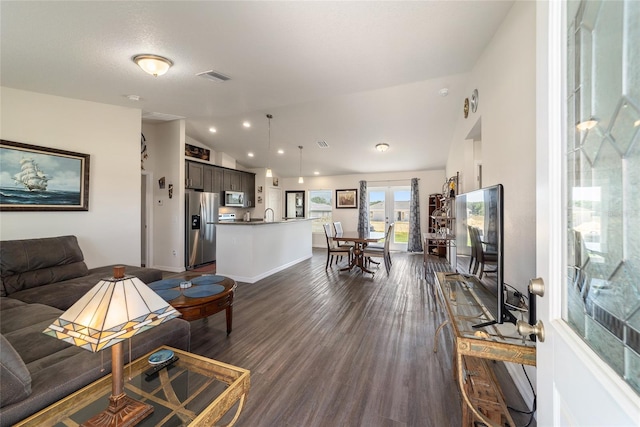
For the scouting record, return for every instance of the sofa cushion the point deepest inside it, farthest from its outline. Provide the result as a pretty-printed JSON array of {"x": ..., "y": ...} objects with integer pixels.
[
  {"x": 25, "y": 315},
  {"x": 30, "y": 263},
  {"x": 31, "y": 344},
  {"x": 15, "y": 380},
  {"x": 64, "y": 294}
]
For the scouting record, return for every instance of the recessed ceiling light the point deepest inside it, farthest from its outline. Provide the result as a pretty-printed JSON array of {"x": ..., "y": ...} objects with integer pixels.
[
  {"x": 316, "y": 173},
  {"x": 133, "y": 97},
  {"x": 246, "y": 124},
  {"x": 636, "y": 123},
  {"x": 382, "y": 147},
  {"x": 443, "y": 92},
  {"x": 250, "y": 154},
  {"x": 213, "y": 130},
  {"x": 281, "y": 151}
]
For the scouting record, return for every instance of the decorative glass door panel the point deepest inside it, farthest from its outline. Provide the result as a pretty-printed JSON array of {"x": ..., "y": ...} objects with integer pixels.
[
  {"x": 602, "y": 299},
  {"x": 391, "y": 204}
]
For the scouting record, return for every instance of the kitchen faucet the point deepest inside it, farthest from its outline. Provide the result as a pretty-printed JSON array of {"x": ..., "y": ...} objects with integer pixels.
[{"x": 272, "y": 215}]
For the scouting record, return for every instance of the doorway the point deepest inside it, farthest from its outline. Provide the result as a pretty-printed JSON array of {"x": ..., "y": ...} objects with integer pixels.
[
  {"x": 274, "y": 201},
  {"x": 391, "y": 204},
  {"x": 146, "y": 219}
]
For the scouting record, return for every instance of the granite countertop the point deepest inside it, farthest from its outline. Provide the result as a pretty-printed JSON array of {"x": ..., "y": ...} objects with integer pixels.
[{"x": 260, "y": 221}]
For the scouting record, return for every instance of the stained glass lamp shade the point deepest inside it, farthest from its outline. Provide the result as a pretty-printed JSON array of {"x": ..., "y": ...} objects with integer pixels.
[{"x": 115, "y": 309}]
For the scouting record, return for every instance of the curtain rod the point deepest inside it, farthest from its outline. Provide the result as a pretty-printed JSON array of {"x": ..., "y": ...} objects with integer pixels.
[{"x": 394, "y": 180}]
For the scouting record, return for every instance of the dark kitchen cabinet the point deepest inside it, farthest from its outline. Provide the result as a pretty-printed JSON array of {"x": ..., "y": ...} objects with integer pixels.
[{"x": 194, "y": 176}]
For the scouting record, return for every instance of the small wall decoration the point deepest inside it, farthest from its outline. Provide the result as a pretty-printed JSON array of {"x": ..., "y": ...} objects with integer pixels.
[
  {"x": 259, "y": 199},
  {"x": 259, "y": 188},
  {"x": 161, "y": 183},
  {"x": 143, "y": 150},
  {"x": 275, "y": 182},
  {"x": 347, "y": 199},
  {"x": 197, "y": 152},
  {"x": 170, "y": 191},
  {"x": 36, "y": 178}
]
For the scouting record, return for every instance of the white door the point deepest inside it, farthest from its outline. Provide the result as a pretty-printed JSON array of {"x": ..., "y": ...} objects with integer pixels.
[
  {"x": 390, "y": 204},
  {"x": 588, "y": 197},
  {"x": 274, "y": 201}
]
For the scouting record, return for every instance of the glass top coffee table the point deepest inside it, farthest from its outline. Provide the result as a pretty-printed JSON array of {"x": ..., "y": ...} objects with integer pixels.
[{"x": 194, "y": 391}]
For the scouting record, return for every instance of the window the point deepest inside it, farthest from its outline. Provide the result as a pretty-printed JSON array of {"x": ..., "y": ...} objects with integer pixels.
[{"x": 320, "y": 208}]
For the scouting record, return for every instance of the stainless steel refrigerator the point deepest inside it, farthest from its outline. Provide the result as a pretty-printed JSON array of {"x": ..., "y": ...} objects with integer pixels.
[{"x": 202, "y": 216}]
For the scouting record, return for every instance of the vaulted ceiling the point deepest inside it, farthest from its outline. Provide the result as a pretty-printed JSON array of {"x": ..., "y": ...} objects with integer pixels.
[{"x": 352, "y": 74}]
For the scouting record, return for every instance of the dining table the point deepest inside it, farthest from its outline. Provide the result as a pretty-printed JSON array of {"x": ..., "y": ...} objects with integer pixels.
[{"x": 360, "y": 241}]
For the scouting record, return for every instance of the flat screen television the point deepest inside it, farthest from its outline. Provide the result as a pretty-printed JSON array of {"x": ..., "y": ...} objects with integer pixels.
[{"x": 484, "y": 209}]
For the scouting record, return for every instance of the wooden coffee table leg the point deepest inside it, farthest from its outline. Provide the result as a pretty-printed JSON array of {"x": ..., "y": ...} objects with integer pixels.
[{"x": 229, "y": 311}]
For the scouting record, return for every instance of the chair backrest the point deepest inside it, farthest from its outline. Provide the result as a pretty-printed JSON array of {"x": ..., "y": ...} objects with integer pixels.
[
  {"x": 338, "y": 227},
  {"x": 328, "y": 233},
  {"x": 473, "y": 238},
  {"x": 387, "y": 237}
]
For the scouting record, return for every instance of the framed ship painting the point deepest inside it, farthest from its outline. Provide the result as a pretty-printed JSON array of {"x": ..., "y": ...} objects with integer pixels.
[{"x": 34, "y": 178}]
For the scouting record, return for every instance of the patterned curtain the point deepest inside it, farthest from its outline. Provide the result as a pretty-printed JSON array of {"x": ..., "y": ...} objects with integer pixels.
[
  {"x": 363, "y": 209},
  {"x": 415, "y": 238}
]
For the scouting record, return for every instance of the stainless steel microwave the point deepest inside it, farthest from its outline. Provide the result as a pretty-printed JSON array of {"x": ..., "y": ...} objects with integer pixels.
[{"x": 234, "y": 198}]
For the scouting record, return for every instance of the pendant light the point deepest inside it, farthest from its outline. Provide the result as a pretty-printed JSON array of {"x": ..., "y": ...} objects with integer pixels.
[
  {"x": 269, "y": 171},
  {"x": 300, "y": 178}
]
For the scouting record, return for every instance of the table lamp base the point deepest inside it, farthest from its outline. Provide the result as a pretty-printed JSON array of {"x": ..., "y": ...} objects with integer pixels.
[{"x": 123, "y": 411}]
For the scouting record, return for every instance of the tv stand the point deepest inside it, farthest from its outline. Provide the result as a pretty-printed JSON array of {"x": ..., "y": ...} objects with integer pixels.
[
  {"x": 468, "y": 306},
  {"x": 507, "y": 317}
]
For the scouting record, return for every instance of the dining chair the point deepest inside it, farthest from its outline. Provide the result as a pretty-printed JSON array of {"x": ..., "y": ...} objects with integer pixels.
[
  {"x": 483, "y": 256},
  {"x": 333, "y": 248},
  {"x": 337, "y": 227},
  {"x": 473, "y": 258},
  {"x": 381, "y": 252}
]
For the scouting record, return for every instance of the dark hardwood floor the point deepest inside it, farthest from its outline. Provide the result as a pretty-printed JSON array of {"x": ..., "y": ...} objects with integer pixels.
[{"x": 331, "y": 348}]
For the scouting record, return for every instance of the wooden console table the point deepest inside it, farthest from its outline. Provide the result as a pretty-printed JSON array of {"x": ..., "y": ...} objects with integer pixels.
[{"x": 468, "y": 303}]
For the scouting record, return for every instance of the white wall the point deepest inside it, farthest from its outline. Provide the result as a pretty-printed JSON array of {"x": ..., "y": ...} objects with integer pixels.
[
  {"x": 505, "y": 78},
  {"x": 109, "y": 232},
  {"x": 429, "y": 182},
  {"x": 165, "y": 144}
]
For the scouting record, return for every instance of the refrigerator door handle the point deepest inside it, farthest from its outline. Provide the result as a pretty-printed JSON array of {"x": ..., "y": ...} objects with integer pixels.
[{"x": 203, "y": 213}]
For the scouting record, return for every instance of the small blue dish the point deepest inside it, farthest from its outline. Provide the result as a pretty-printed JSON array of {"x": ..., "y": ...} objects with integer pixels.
[{"x": 160, "y": 357}]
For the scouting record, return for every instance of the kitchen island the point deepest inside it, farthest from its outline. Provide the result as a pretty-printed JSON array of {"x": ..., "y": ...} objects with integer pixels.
[{"x": 252, "y": 250}]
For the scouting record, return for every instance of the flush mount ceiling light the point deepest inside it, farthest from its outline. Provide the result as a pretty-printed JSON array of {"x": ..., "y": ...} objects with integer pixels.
[
  {"x": 382, "y": 147},
  {"x": 590, "y": 123},
  {"x": 212, "y": 130},
  {"x": 153, "y": 64},
  {"x": 269, "y": 171},
  {"x": 246, "y": 124}
]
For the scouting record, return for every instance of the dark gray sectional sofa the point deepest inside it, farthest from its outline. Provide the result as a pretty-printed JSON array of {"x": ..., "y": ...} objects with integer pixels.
[{"x": 40, "y": 279}]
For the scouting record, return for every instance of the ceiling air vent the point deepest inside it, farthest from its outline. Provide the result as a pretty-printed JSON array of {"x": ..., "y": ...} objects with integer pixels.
[
  {"x": 323, "y": 144},
  {"x": 214, "y": 76}
]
